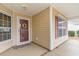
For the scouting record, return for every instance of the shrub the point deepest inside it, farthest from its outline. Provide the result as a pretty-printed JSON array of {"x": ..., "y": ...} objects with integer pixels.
[
  {"x": 78, "y": 33},
  {"x": 71, "y": 33}
]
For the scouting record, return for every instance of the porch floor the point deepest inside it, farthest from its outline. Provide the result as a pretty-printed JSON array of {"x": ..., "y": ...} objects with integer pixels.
[
  {"x": 28, "y": 50},
  {"x": 69, "y": 48}
]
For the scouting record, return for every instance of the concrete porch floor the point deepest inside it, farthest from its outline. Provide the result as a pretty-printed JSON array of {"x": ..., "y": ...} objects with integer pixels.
[
  {"x": 29, "y": 50},
  {"x": 69, "y": 48}
]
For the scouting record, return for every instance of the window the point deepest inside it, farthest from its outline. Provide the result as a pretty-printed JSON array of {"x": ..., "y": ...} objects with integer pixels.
[
  {"x": 5, "y": 27},
  {"x": 61, "y": 26}
]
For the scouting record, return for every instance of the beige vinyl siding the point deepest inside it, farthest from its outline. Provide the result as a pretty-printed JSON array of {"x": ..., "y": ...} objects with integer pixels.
[{"x": 41, "y": 30}]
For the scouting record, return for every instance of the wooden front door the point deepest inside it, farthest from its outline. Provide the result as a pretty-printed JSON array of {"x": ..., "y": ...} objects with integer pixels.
[{"x": 24, "y": 33}]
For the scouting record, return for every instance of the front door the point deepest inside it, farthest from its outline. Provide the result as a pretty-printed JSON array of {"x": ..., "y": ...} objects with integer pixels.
[{"x": 24, "y": 33}]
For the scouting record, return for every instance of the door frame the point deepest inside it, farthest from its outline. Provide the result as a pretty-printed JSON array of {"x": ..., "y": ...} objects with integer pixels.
[{"x": 18, "y": 31}]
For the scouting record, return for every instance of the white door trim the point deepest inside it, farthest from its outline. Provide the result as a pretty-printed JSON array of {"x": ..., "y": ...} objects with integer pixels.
[{"x": 18, "y": 31}]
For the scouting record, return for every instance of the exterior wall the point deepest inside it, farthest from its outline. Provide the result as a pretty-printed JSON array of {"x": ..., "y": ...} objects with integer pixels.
[
  {"x": 43, "y": 25},
  {"x": 41, "y": 28},
  {"x": 9, "y": 43},
  {"x": 56, "y": 42}
]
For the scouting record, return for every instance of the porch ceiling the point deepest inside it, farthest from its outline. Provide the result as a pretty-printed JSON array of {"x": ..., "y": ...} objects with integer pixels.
[{"x": 70, "y": 10}]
